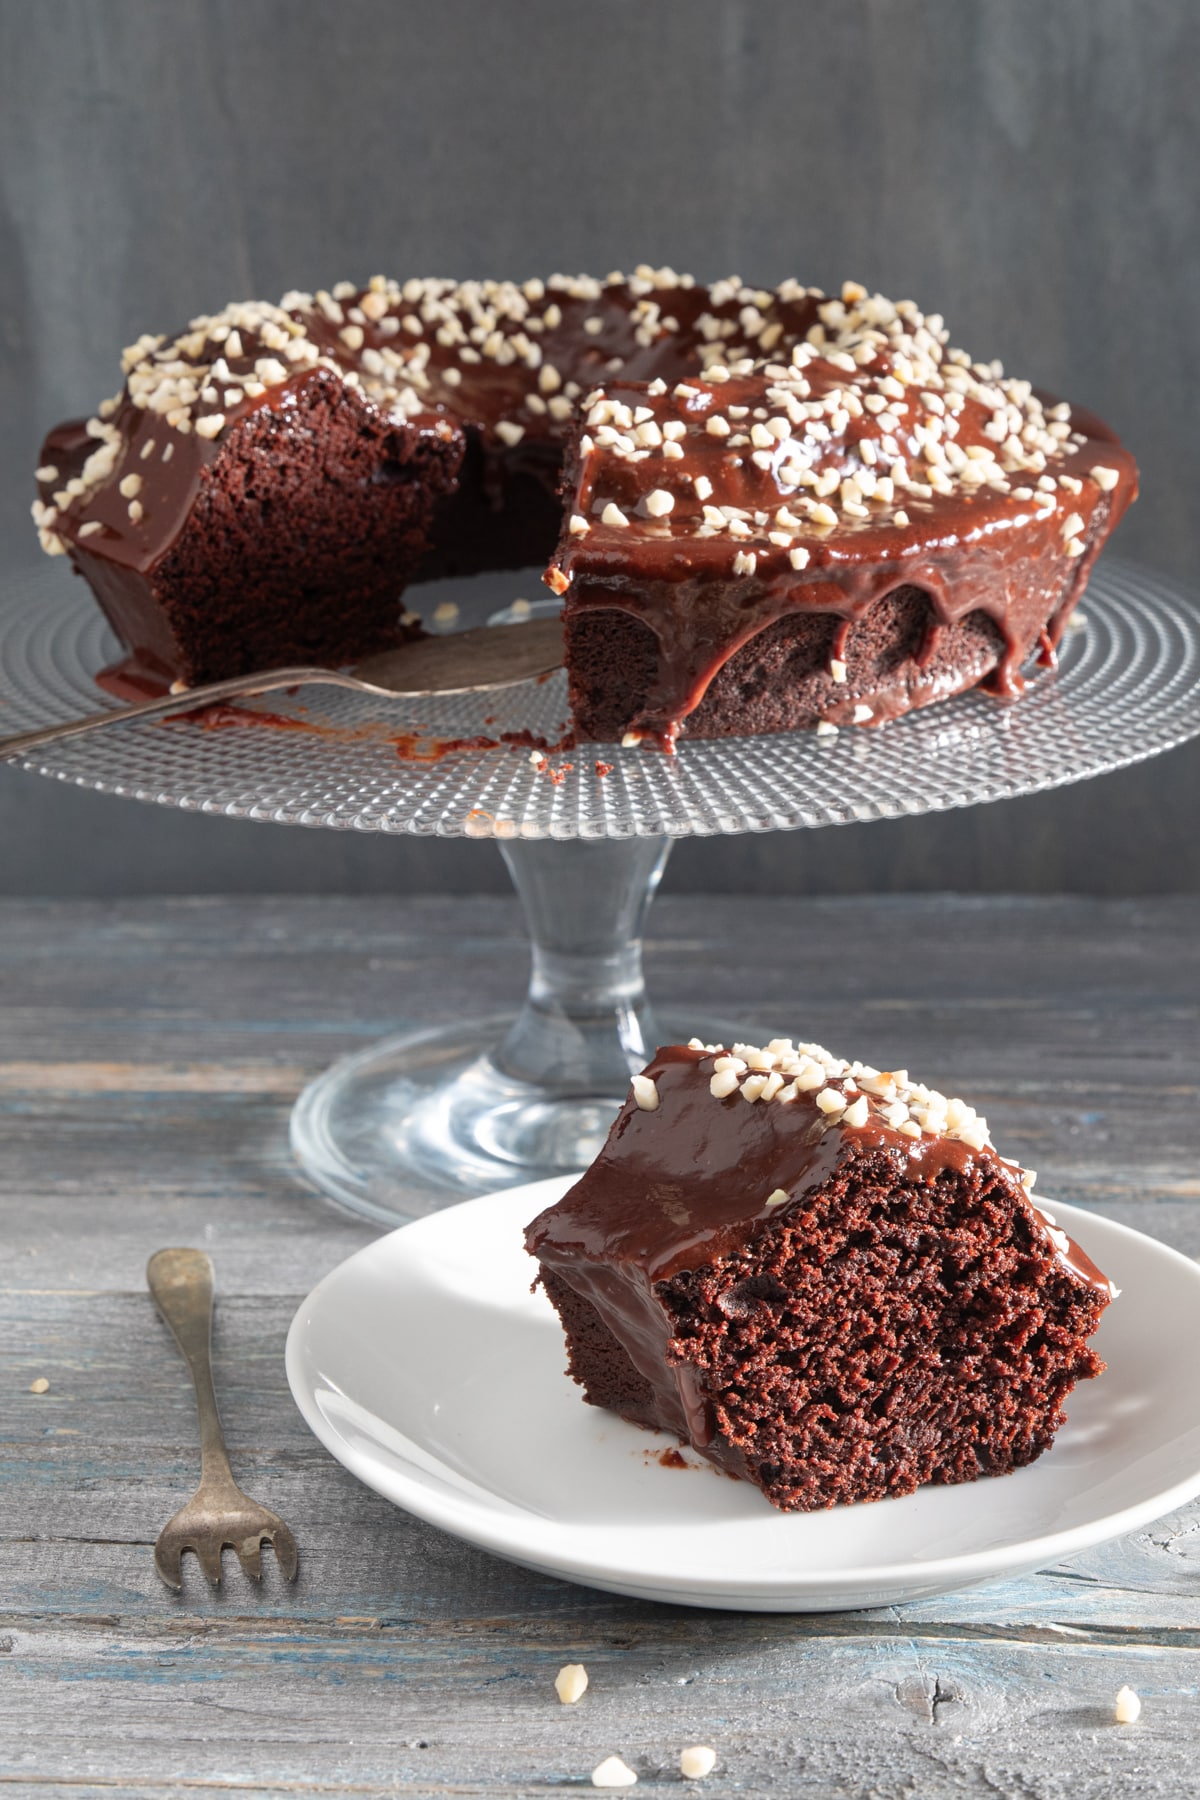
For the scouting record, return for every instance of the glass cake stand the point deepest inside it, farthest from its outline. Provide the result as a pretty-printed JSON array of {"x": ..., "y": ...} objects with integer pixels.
[{"x": 415, "y": 1121}]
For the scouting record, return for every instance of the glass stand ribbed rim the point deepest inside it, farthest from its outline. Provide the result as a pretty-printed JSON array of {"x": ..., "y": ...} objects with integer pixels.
[
  {"x": 1128, "y": 687},
  {"x": 585, "y": 848}
]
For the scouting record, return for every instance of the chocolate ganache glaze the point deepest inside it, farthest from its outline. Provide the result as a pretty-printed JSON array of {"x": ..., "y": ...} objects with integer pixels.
[
  {"x": 693, "y": 1178},
  {"x": 710, "y": 510},
  {"x": 742, "y": 464},
  {"x": 503, "y": 362}
]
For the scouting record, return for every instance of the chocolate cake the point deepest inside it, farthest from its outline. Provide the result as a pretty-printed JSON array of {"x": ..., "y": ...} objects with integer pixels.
[
  {"x": 820, "y": 1275},
  {"x": 780, "y": 508}
]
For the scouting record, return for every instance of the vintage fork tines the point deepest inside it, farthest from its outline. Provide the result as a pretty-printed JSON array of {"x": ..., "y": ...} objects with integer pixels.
[
  {"x": 206, "y": 1532},
  {"x": 219, "y": 1515}
]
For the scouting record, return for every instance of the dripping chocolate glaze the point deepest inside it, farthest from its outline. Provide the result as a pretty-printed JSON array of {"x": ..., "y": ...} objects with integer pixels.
[
  {"x": 981, "y": 550},
  {"x": 687, "y": 1184}
]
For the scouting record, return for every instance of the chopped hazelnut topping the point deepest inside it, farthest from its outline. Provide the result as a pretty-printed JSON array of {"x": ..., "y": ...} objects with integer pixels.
[
  {"x": 869, "y": 408},
  {"x": 645, "y": 1093},
  {"x": 784, "y": 1071},
  {"x": 809, "y": 1075}
]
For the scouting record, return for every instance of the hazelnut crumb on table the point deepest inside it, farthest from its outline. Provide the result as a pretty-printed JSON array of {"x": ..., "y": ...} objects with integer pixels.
[
  {"x": 697, "y": 1762},
  {"x": 1127, "y": 1707},
  {"x": 613, "y": 1773},
  {"x": 571, "y": 1683}
]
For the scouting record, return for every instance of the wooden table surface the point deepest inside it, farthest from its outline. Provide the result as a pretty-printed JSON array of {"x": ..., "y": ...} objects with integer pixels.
[{"x": 149, "y": 1053}]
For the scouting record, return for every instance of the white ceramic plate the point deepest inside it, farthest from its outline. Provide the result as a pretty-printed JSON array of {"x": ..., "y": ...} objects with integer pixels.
[{"x": 428, "y": 1368}]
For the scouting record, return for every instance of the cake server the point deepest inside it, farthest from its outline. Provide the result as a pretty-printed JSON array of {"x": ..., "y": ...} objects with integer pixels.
[
  {"x": 465, "y": 662},
  {"x": 218, "y": 1513}
]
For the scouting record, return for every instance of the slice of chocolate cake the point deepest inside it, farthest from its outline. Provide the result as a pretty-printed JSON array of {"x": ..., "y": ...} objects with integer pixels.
[
  {"x": 243, "y": 506},
  {"x": 820, "y": 1275}
]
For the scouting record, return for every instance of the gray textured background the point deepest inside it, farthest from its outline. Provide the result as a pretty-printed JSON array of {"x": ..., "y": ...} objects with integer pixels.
[{"x": 1027, "y": 167}]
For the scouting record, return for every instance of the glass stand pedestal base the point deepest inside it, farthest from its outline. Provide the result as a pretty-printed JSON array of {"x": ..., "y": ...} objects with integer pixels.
[
  {"x": 422, "y": 1120},
  {"x": 426, "y": 1118}
]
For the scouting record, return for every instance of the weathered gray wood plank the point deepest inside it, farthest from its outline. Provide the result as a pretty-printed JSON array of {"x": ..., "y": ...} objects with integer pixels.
[
  {"x": 148, "y": 1055},
  {"x": 898, "y": 1715}
]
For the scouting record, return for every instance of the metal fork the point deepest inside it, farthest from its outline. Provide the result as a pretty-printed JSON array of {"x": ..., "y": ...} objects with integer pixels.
[
  {"x": 218, "y": 1514},
  {"x": 463, "y": 662}
]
